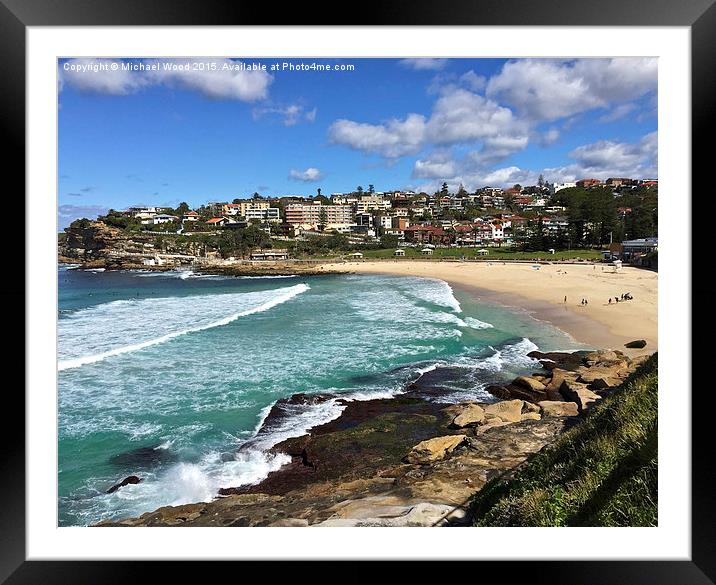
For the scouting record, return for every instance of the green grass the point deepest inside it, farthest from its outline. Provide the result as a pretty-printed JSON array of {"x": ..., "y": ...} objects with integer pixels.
[
  {"x": 497, "y": 254},
  {"x": 602, "y": 472}
]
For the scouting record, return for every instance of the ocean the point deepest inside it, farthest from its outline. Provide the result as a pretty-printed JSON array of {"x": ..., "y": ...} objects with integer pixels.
[{"x": 164, "y": 375}]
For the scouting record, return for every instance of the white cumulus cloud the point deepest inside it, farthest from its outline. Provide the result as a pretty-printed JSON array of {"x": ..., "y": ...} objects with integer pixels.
[
  {"x": 310, "y": 175},
  {"x": 214, "y": 78},
  {"x": 393, "y": 138},
  {"x": 546, "y": 89},
  {"x": 424, "y": 64}
]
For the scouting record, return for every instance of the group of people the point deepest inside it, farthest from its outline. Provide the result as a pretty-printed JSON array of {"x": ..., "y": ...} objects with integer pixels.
[
  {"x": 585, "y": 302},
  {"x": 622, "y": 298}
]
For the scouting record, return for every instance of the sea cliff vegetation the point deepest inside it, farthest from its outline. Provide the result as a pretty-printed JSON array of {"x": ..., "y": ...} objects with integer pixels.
[{"x": 602, "y": 472}]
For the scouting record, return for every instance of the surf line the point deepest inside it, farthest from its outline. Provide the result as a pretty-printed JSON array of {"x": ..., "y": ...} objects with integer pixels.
[{"x": 90, "y": 359}]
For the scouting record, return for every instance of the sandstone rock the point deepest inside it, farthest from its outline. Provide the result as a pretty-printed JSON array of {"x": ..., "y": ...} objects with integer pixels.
[
  {"x": 507, "y": 410},
  {"x": 637, "y": 344},
  {"x": 596, "y": 357},
  {"x": 492, "y": 424},
  {"x": 600, "y": 378},
  {"x": 132, "y": 479},
  {"x": 579, "y": 393},
  {"x": 421, "y": 514},
  {"x": 434, "y": 449},
  {"x": 529, "y": 383},
  {"x": 290, "y": 522},
  {"x": 530, "y": 416},
  {"x": 529, "y": 407},
  {"x": 558, "y": 408},
  {"x": 514, "y": 392},
  {"x": 471, "y": 415},
  {"x": 498, "y": 391}
]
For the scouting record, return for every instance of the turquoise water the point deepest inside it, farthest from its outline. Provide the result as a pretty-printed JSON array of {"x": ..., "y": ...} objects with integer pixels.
[{"x": 165, "y": 375}]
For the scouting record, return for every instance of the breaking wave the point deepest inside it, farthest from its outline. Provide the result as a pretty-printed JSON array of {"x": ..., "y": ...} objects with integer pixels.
[{"x": 109, "y": 324}]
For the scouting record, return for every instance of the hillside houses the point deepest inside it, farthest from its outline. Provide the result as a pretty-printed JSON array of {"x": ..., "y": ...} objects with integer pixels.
[{"x": 488, "y": 216}]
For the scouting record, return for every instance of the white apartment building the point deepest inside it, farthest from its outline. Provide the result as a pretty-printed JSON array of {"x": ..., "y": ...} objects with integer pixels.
[
  {"x": 368, "y": 203},
  {"x": 554, "y": 187},
  {"x": 311, "y": 214}
]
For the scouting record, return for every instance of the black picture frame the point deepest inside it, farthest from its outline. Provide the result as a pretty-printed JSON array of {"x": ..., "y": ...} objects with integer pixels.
[{"x": 17, "y": 15}]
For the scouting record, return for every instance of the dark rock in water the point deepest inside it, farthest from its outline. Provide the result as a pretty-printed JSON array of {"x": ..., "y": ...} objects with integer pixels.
[
  {"x": 142, "y": 457},
  {"x": 289, "y": 407},
  {"x": 132, "y": 479},
  {"x": 559, "y": 359},
  {"x": 514, "y": 391},
  {"x": 637, "y": 344},
  {"x": 439, "y": 382}
]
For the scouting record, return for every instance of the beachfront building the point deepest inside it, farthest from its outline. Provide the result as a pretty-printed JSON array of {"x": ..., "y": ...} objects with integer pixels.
[
  {"x": 217, "y": 221},
  {"x": 498, "y": 231},
  {"x": 315, "y": 214},
  {"x": 269, "y": 255},
  {"x": 423, "y": 234},
  {"x": 190, "y": 216},
  {"x": 634, "y": 248}
]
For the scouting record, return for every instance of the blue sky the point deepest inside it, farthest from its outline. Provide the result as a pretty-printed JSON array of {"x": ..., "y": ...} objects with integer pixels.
[{"x": 199, "y": 130}]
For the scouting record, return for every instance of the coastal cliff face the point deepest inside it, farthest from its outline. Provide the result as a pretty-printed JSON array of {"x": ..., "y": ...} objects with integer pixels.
[
  {"x": 95, "y": 244},
  {"x": 409, "y": 460}
]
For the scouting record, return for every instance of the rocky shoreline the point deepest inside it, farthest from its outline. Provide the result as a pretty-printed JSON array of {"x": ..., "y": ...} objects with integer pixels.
[{"x": 408, "y": 460}]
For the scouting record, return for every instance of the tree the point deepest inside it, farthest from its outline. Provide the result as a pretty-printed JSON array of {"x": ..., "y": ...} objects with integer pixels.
[
  {"x": 257, "y": 195},
  {"x": 444, "y": 190},
  {"x": 319, "y": 191},
  {"x": 371, "y": 189},
  {"x": 359, "y": 190},
  {"x": 182, "y": 209},
  {"x": 389, "y": 241},
  {"x": 323, "y": 218},
  {"x": 540, "y": 181}
]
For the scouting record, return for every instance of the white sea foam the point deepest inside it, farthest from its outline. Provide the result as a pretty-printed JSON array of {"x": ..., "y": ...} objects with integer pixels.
[
  {"x": 477, "y": 324},
  {"x": 184, "y": 483},
  {"x": 93, "y": 329},
  {"x": 437, "y": 292},
  {"x": 269, "y": 276}
]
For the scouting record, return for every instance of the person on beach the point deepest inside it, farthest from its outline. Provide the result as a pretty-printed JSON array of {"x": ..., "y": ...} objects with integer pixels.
[{"x": 610, "y": 300}]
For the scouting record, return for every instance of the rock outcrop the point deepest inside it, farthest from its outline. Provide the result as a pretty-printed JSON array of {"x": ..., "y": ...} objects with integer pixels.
[
  {"x": 558, "y": 408},
  {"x": 434, "y": 449},
  {"x": 471, "y": 415},
  {"x": 132, "y": 479},
  {"x": 409, "y": 460}
]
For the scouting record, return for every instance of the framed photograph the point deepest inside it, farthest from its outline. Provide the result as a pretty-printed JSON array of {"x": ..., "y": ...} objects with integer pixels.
[{"x": 381, "y": 279}]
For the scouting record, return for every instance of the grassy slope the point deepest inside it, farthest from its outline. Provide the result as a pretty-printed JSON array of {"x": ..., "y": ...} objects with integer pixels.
[{"x": 602, "y": 472}]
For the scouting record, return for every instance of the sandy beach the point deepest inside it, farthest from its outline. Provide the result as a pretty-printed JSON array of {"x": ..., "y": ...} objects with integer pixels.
[{"x": 542, "y": 291}]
